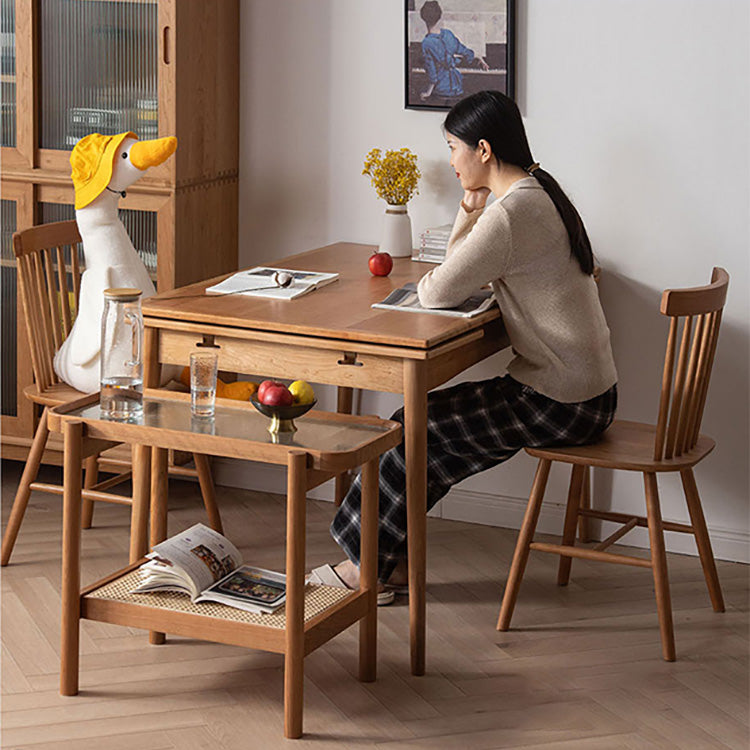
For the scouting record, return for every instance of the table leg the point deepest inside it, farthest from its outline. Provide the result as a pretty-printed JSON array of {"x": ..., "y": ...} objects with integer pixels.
[
  {"x": 151, "y": 364},
  {"x": 294, "y": 655},
  {"x": 159, "y": 494},
  {"x": 140, "y": 507},
  {"x": 368, "y": 572},
  {"x": 344, "y": 403},
  {"x": 208, "y": 491},
  {"x": 71, "y": 558},
  {"x": 415, "y": 441}
]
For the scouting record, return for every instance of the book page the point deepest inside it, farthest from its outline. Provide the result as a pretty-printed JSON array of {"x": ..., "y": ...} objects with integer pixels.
[
  {"x": 260, "y": 282},
  {"x": 259, "y": 588},
  {"x": 406, "y": 298},
  {"x": 163, "y": 576},
  {"x": 202, "y": 553}
]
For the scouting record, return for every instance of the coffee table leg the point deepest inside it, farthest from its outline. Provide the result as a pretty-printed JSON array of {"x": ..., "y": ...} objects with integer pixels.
[
  {"x": 295, "y": 593},
  {"x": 140, "y": 507},
  {"x": 71, "y": 558},
  {"x": 415, "y": 440},
  {"x": 368, "y": 572},
  {"x": 159, "y": 494}
]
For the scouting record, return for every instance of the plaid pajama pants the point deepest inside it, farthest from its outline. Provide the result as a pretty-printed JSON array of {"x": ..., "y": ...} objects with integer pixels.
[{"x": 470, "y": 427}]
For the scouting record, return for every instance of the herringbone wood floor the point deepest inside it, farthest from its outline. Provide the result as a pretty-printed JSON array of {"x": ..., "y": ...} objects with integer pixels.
[{"x": 581, "y": 670}]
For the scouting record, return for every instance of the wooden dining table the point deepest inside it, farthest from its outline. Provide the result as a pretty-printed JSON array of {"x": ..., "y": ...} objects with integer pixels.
[{"x": 334, "y": 336}]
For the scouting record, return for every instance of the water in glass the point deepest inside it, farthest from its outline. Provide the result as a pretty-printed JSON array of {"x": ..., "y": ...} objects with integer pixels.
[
  {"x": 121, "y": 397},
  {"x": 203, "y": 401},
  {"x": 121, "y": 363}
]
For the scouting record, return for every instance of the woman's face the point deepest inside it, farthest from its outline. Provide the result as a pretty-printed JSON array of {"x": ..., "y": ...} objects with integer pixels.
[{"x": 468, "y": 164}]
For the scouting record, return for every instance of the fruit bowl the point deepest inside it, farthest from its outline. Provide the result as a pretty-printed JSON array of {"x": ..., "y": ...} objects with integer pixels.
[{"x": 282, "y": 417}]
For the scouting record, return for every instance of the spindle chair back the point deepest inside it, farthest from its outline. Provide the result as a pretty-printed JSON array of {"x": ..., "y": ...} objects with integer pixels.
[{"x": 50, "y": 264}]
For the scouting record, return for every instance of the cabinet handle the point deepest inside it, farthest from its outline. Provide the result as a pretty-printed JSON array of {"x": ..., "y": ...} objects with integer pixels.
[{"x": 165, "y": 46}]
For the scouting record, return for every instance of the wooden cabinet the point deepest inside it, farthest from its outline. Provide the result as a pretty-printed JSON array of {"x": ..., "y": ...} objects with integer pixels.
[{"x": 156, "y": 67}]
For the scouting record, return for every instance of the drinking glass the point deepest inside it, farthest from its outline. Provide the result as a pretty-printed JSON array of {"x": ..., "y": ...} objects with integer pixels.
[{"x": 203, "y": 369}]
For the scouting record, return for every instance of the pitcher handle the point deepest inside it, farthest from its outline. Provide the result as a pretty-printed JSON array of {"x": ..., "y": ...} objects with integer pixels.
[{"x": 137, "y": 325}]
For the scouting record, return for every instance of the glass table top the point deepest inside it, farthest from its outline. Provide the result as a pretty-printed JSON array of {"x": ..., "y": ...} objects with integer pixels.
[{"x": 315, "y": 432}]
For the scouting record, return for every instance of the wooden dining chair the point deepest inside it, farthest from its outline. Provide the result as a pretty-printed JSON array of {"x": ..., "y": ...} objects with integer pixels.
[
  {"x": 673, "y": 444},
  {"x": 49, "y": 276}
]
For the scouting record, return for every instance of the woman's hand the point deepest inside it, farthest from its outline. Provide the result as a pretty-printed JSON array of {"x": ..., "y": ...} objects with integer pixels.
[{"x": 475, "y": 199}]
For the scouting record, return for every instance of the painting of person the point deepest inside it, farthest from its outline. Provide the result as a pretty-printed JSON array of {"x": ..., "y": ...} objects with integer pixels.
[
  {"x": 442, "y": 50},
  {"x": 455, "y": 48}
]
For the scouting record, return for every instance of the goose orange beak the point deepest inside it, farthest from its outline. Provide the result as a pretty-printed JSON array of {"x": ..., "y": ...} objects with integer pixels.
[{"x": 145, "y": 154}]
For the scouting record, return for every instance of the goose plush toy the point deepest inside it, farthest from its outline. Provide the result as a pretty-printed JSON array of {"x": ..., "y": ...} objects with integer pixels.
[{"x": 103, "y": 167}]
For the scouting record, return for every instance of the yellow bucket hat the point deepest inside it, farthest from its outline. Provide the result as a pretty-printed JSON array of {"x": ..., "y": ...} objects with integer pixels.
[{"x": 92, "y": 160}]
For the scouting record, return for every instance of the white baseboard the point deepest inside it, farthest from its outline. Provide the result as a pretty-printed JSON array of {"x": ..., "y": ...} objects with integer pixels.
[
  {"x": 497, "y": 510},
  {"x": 489, "y": 510}
]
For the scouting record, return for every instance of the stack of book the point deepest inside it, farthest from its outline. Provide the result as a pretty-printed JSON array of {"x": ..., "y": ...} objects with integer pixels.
[{"x": 433, "y": 243}]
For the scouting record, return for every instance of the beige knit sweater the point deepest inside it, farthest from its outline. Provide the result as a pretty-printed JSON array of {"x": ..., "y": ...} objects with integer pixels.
[{"x": 550, "y": 308}]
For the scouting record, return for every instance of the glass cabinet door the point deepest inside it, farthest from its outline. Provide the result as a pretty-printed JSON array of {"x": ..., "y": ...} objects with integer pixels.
[
  {"x": 98, "y": 71},
  {"x": 9, "y": 303},
  {"x": 8, "y": 76},
  {"x": 17, "y": 422}
]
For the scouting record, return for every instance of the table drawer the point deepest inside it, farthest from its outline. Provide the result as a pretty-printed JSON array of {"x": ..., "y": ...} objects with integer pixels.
[{"x": 288, "y": 361}]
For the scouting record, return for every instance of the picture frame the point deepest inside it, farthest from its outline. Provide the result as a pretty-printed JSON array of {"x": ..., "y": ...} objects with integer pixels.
[{"x": 477, "y": 36}]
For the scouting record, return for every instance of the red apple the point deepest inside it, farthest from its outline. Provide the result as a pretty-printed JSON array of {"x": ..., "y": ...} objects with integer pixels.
[
  {"x": 380, "y": 264},
  {"x": 262, "y": 389},
  {"x": 275, "y": 394}
]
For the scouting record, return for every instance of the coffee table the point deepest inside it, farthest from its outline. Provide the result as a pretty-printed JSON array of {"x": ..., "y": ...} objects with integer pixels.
[{"x": 323, "y": 446}]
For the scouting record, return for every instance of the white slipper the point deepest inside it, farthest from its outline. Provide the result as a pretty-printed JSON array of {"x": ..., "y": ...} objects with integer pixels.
[
  {"x": 325, "y": 575},
  {"x": 400, "y": 589}
]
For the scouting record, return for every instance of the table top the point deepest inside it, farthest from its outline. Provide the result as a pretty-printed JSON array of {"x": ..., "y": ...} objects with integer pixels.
[
  {"x": 341, "y": 310},
  {"x": 237, "y": 429}
]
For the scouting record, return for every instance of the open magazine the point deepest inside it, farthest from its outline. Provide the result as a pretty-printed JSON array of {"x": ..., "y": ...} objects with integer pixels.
[
  {"x": 406, "y": 298},
  {"x": 208, "y": 567},
  {"x": 262, "y": 281}
]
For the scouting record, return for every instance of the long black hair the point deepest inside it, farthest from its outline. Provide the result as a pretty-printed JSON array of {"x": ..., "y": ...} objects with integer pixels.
[{"x": 494, "y": 117}]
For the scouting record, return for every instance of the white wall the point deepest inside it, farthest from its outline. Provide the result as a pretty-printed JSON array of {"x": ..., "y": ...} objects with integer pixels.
[{"x": 639, "y": 107}]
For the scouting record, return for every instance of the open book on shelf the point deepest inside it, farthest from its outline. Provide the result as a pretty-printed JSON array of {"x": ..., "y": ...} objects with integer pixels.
[
  {"x": 263, "y": 281},
  {"x": 205, "y": 565},
  {"x": 406, "y": 298}
]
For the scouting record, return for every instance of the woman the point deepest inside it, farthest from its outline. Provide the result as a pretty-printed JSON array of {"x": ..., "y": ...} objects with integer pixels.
[{"x": 531, "y": 246}]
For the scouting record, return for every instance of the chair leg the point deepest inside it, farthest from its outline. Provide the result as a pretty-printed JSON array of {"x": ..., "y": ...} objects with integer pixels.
[
  {"x": 571, "y": 519},
  {"x": 91, "y": 477},
  {"x": 701, "y": 539},
  {"x": 659, "y": 566},
  {"x": 24, "y": 490},
  {"x": 584, "y": 522},
  {"x": 207, "y": 490},
  {"x": 525, "y": 537}
]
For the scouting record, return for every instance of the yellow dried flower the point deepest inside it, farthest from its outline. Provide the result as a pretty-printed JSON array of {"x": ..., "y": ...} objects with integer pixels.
[{"x": 393, "y": 174}]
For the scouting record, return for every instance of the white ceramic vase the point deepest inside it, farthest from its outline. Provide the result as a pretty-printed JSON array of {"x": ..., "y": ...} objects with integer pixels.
[{"x": 397, "y": 239}]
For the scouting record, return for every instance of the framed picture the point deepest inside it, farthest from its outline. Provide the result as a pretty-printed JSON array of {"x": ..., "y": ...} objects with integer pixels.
[{"x": 455, "y": 48}]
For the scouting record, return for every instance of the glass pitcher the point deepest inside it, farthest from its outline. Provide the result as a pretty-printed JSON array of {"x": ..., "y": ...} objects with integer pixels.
[{"x": 121, "y": 358}]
